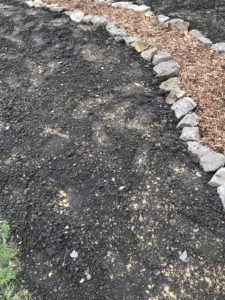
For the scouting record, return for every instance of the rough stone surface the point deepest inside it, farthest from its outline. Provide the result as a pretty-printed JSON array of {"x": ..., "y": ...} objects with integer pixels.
[
  {"x": 221, "y": 192},
  {"x": 124, "y": 4},
  {"x": 148, "y": 54},
  {"x": 183, "y": 106},
  {"x": 87, "y": 19},
  {"x": 161, "y": 56},
  {"x": 76, "y": 15},
  {"x": 197, "y": 149},
  {"x": 167, "y": 69},
  {"x": 35, "y": 3},
  {"x": 220, "y": 47},
  {"x": 99, "y": 20},
  {"x": 198, "y": 35},
  {"x": 218, "y": 179},
  {"x": 140, "y": 45},
  {"x": 190, "y": 134},
  {"x": 170, "y": 84},
  {"x": 141, "y": 8},
  {"x": 179, "y": 24},
  {"x": 190, "y": 120},
  {"x": 211, "y": 161},
  {"x": 130, "y": 39},
  {"x": 149, "y": 14},
  {"x": 114, "y": 30},
  {"x": 162, "y": 18}
]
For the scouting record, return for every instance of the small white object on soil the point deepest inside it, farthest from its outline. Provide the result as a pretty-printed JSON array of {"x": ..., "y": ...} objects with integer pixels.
[
  {"x": 82, "y": 280},
  {"x": 74, "y": 254},
  {"x": 183, "y": 256},
  {"x": 218, "y": 179},
  {"x": 122, "y": 188}
]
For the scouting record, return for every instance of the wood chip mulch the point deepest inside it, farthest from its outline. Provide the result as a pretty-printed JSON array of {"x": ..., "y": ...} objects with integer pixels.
[{"x": 202, "y": 71}]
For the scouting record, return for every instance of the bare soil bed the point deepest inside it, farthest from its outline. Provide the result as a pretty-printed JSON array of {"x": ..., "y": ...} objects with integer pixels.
[{"x": 91, "y": 162}]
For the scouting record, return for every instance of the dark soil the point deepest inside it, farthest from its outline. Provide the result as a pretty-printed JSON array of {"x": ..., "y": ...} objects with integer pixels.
[
  {"x": 205, "y": 15},
  {"x": 91, "y": 161}
]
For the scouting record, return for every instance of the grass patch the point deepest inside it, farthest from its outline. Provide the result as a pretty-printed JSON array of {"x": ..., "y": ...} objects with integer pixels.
[{"x": 9, "y": 267}]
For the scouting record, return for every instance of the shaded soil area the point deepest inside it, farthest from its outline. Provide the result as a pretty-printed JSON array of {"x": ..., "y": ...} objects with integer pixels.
[
  {"x": 90, "y": 161},
  {"x": 205, "y": 15}
]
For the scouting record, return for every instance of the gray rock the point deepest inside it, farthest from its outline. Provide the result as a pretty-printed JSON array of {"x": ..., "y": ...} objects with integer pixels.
[
  {"x": 190, "y": 134},
  {"x": 162, "y": 18},
  {"x": 172, "y": 83},
  {"x": 141, "y": 8},
  {"x": 179, "y": 24},
  {"x": 183, "y": 106},
  {"x": 218, "y": 179},
  {"x": 114, "y": 30},
  {"x": 167, "y": 69},
  {"x": 56, "y": 8},
  {"x": 198, "y": 35},
  {"x": 149, "y": 13},
  {"x": 212, "y": 161},
  {"x": 87, "y": 19},
  {"x": 35, "y": 3},
  {"x": 161, "y": 56},
  {"x": 221, "y": 192},
  {"x": 190, "y": 120},
  {"x": 148, "y": 54},
  {"x": 130, "y": 39},
  {"x": 197, "y": 149},
  {"x": 99, "y": 20},
  {"x": 76, "y": 15},
  {"x": 124, "y": 4},
  {"x": 220, "y": 47}
]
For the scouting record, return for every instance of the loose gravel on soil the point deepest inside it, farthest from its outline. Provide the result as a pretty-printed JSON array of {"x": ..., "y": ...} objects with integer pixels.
[{"x": 100, "y": 193}]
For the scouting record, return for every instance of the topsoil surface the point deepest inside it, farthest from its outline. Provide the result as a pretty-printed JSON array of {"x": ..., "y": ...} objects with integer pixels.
[
  {"x": 205, "y": 15},
  {"x": 91, "y": 161}
]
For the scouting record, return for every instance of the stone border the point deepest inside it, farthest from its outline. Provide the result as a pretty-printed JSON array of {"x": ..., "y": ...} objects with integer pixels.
[{"x": 165, "y": 69}]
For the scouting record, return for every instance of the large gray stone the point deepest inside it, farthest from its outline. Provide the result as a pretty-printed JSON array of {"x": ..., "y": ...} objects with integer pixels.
[
  {"x": 35, "y": 3},
  {"x": 162, "y": 18},
  {"x": 140, "y": 8},
  {"x": 76, "y": 15},
  {"x": 167, "y": 69},
  {"x": 124, "y": 4},
  {"x": 212, "y": 161},
  {"x": 190, "y": 120},
  {"x": 183, "y": 106},
  {"x": 87, "y": 19},
  {"x": 99, "y": 20},
  {"x": 218, "y": 179},
  {"x": 220, "y": 47},
  {"x": 198, "y": 35},
  {"x": 170, "y": 84},
  {"x": 130, "y": 39},
  {"x": 179, "y": 24},
  {"x": 148, "y": 54},
  {"x": 190, "y": 134},
  {"x": 221, "y": 192},
  {"x": 197, "y": 149},
  {"x": 114, "y": 30},
  {"x": 161, "y": 56}
]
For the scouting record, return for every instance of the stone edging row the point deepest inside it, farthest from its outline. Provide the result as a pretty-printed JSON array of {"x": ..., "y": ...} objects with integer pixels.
[{"x": 166, "y": 69}]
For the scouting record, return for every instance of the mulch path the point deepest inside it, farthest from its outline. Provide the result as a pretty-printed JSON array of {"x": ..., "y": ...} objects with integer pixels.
[{"x": 202, "y": 71}]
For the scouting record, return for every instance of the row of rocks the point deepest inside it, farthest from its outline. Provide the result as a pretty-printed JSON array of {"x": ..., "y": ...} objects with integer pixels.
[
  {"x": 176, "y": 23},
  {"x": 167, "y": 70}
]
